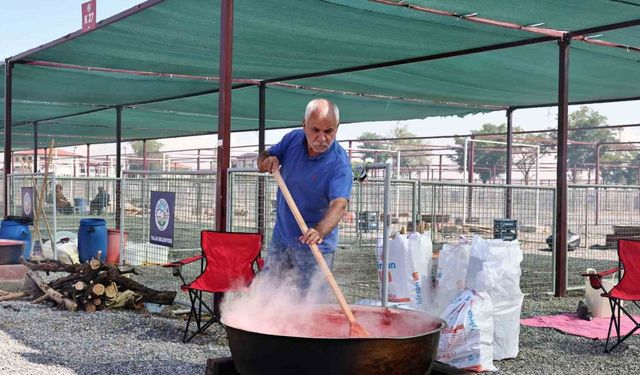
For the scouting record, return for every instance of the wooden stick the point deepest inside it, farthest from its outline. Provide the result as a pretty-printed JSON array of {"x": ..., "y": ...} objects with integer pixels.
[
  {"x": 44, "y": 194},
  {"x": 42, "y": 298},
  {"x": 38, "y": 206},
  {"x": 52, "y": 293},
  {"x": 12, "y": 296},
  {"x": 356, "y": 328}
]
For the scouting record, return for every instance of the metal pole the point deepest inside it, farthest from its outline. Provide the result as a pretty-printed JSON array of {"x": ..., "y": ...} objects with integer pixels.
[
  {"x": 439, "y": 168},
  {"x": 261, "y": 146},
  {"x": 144, "y": 154},
  {"x": 385, "y": 237},
  {"x": 55, "y": 216},
  {"x": 118, "y": 163},
  {"x": 469, "y": 207},
  {"x": 597, "y": 181},
  {"x": 464, "y": 174},
  {"x": 509, "y": 196},
  {"x": 8, "y": 84},
  {"x": 88, "y": 158},
  {"x": 224, "y": 110},
  {"x": 561, "y": 178},
  {"x": 413, "y": 206},
  {"x": 537, "y": 185},
  {"x": 121, "y": 248},
  {"x": 35, "y": 147}
]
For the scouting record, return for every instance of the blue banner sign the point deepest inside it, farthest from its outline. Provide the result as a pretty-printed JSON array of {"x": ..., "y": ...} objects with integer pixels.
[{"x": 162, "y": 214}]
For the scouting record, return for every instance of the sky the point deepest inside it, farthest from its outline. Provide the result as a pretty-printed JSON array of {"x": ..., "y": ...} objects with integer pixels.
[{"x": 28, "y": 24}]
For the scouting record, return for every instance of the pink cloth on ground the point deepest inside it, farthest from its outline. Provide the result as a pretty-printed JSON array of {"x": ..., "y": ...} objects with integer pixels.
[{"x": 570, "y": 323}]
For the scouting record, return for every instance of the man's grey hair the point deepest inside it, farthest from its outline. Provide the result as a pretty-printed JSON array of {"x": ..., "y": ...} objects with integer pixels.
[{"x": 322, "y": 108}]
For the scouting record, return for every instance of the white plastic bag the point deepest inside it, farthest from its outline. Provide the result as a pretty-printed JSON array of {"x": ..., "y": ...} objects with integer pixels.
[
  {"x": 66, "y": 248},
  {"x": 450, "y": 275},
  {"x": 409, "y": 269},
  {"x": 494, "y": 267},
  {"x": 467, "y": 341}
]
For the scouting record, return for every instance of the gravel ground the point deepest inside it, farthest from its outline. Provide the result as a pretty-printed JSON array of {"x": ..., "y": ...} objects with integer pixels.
[{"x": 41, "y": 340}]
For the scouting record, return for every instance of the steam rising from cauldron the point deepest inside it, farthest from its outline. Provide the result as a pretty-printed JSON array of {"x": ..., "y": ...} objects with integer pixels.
[{"x": 274, "y": 305}]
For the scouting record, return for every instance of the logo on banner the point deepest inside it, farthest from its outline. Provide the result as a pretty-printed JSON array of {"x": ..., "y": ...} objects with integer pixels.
[
  {"x": 162, "y": 214},
  {"x": 89, "y": 15},
  {"x": 27, "y": 202},
  {"x": 162, "y": 218}
]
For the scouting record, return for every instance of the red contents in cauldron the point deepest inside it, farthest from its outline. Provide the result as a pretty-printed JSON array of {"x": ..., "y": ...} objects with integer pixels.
[{"x": 328, "y": 321}]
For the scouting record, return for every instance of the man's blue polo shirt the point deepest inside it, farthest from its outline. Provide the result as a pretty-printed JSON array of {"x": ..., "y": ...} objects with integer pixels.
[{"x": 313, "y": 183}]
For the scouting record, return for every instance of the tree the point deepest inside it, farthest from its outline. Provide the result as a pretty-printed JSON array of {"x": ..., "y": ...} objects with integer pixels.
[
  {"x": 582, "y": 152},
  {"x": 410, "y": 159},
  {"x": 524, "y": 158},
  {"x": 487, "y": 162},
  {"x": 153, "y": 155},
  {"x": 620, "y": 167},
  {"x": 369, "y": 145}
]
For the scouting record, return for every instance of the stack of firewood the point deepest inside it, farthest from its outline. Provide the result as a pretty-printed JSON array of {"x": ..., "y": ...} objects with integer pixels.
[{"x": 92, "y": 286}]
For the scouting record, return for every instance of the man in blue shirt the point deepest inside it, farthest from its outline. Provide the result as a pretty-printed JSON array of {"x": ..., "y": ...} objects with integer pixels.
[{"x": 317, "y": 171}]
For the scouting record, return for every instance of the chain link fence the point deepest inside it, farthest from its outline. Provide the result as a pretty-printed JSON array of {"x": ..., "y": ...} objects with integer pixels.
[
  {"x": 452, "y": 210},
  {"x": 598, "y": 216}
]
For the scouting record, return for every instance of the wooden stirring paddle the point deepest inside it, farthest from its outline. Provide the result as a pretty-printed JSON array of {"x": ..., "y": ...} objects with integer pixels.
[{"x": 355, "y": 328}]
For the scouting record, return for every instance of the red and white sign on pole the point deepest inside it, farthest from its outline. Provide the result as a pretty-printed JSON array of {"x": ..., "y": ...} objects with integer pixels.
[{"x": 89, "y": 15}]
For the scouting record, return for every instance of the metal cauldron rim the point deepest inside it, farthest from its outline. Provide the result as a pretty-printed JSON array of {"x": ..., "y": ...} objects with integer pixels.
[{"x": 440, "y": 325}]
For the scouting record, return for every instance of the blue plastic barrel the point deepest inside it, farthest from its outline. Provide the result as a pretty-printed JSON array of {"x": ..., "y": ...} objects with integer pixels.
[
  {"x": 92, "y": 237},
  {"x": 15, "y": 230},
  {"x": 81, "y": 205}
]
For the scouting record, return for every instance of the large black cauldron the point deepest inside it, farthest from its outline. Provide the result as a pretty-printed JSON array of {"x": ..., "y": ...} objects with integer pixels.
[{"x": 257, "y": 353}]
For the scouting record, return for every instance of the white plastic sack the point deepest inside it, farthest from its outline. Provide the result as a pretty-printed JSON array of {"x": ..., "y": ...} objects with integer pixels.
[
  {"x": 66, "y": 247},
  {"x": 450, "y": 275},
  {"x": 467, "y": 341},
  {"x": 494, "y": 267},
  {"x": 409, "y": 269}
]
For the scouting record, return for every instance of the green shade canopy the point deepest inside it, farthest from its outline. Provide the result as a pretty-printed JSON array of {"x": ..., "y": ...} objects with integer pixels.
[{"x": 160, "y": 61}]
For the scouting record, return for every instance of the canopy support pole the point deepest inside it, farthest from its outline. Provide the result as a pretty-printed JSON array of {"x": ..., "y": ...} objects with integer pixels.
[
  {"x": 471, "y": 161},
  {"x": 118, "y": 163},
  {"x": 35, "y": 147},
  {"x": 144, "y": 154},
  {"x": 88, "y": 158},
  {"x": 224, "y": 111},
  {"x": 262, "y": 87},
  {"x": 509, "y": 192},
  {"x": 561, "y": 178},
  {"x": 8, "y": 69}
]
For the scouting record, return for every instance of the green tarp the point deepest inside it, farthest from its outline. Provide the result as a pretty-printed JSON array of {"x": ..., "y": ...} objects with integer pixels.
[{"x": 170, "y": 49}]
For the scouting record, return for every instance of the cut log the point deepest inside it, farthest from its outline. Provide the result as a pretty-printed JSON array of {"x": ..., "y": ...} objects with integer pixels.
[
  {"x": 95, "y": 264},
  {"x": 80, "y": 286},
  {"x": 52, "y": 293},
  {"x": 111, "y": 290},
  {"x": 148, "y": 294},
  {"x": 90, "y": 308},
  {"x": 97, "y": 290},
  {"x": 13, "y": 295},
  {"x": 3, "y": 292},
  {"x": 96, "y": 301}
]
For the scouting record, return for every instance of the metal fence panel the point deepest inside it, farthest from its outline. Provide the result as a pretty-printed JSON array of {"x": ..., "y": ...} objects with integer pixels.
[
  {"x": 453, "y": 210},
  {"x": 599, "y": 216},
  {"x": 194, "y": 211}
]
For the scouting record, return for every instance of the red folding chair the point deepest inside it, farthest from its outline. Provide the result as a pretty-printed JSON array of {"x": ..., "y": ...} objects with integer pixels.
[
  {"x": 227, "y": 264},
  {"x": 627, "y": 289}
]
